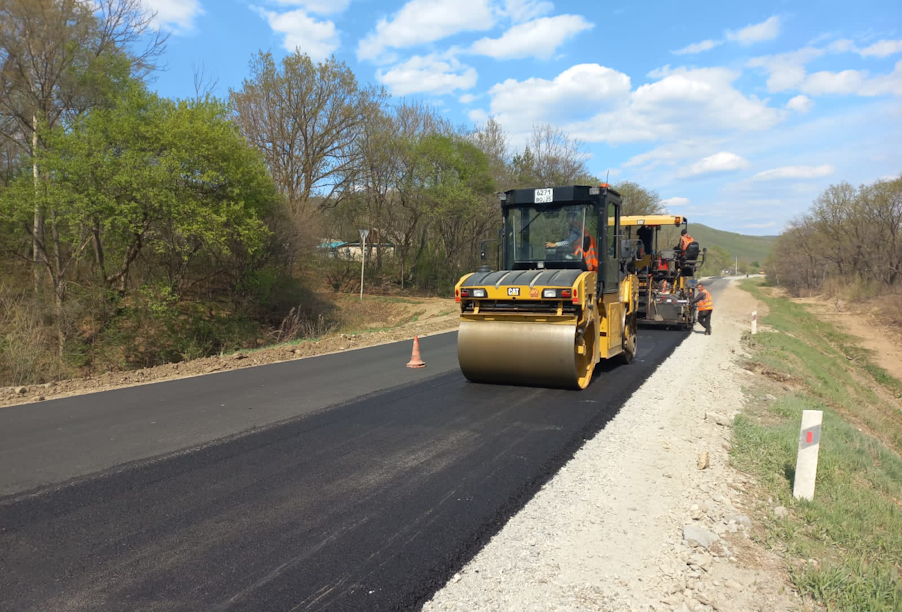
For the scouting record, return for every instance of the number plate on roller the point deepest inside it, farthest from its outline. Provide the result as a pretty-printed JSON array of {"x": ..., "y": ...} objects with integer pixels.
[{"x": 543, "y": 196}]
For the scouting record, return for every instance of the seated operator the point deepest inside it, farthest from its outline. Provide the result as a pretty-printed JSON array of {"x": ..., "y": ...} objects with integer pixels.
[
  {"x": 580, "y": 240},
  {"x": 574, "y": 235}
]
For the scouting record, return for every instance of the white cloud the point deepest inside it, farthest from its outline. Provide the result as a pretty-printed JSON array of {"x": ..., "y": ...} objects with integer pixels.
[
  {"x": 684, "y": 103},
  {"x": 882, "y": 48},
  {"x": 578, "y": 91},
  {"x": 705, "y": 45},
  {"x": 596, "y": 104},
  {"x": 524, "y": 10},
  {"x": 176, "y": 15},
  {"x": 800, "y": 104},
  {"x": 786, "y": 70},
  {"x": 675, "y": 202},
  {"x": 660, "y": 73},
  {"x": 843, "y": 45},
  {"x": 467, "y": 98},
  {"x": 719, "y": 162},
  {"x": 423, "y": 21},
  {"x": 825, "y": 82},
  {"x": 319, "y": 7},
  {"x": 795, "y": 172},
  {"x": 539, "y": 38},
  {"x": 427, "y": 74},
  {"x": 766, "y": 30},
  {"x": 318, "y": 39}
]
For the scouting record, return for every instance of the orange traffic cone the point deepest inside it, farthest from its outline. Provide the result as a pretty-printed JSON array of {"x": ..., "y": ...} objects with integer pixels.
[{"x": 415, "y": 360}]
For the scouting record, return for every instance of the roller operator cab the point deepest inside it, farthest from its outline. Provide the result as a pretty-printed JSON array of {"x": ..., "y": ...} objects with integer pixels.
[{"x": 564, "y": 298}]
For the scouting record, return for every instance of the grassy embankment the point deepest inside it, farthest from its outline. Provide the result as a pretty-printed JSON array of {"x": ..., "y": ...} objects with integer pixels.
[{"x": 853, "y": 527}]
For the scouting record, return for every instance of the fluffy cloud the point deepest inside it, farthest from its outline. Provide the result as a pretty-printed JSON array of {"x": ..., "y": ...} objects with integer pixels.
[
  {"x": 786, "y": 70},
  {"x": 319, "y": 7},
  {"x": 882, "y": 48},
  {"x": 795, "y": 172},
  {"x": 759, "y": 32},
  {"x": 423, "y": 21},
  {"x": 684, "y": 103},
  {"x": 705, "y": 45},
  {"x": 595, "y": 103},
  {"x": 578, "y": 91},
  {"x": 719, "y": 162},
  {"x": 538, "y": 38},
  {"x": 845, "y": 82},
  {"x": 856, "y": 82},
  {"x": 427, "y": 74},
  {"x": 467, "y": 98},
  {"x": 176, "y": 15},
  {"x": 675, "y": 202},
  {"x": 800, "y": 104},
  {"x": 524, "y": 10},
  {"x": 318, "y": 39}
]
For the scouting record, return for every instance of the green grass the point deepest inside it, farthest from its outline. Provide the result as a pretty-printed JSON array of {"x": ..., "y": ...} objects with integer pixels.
[{"x": 853, "y": 527}]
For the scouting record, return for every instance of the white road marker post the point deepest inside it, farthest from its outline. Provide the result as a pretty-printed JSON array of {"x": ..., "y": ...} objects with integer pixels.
[
  {"x": 754, "y": 322},
  {"x": 363, "y": 235},
  {"x": 806, "y": 463}
]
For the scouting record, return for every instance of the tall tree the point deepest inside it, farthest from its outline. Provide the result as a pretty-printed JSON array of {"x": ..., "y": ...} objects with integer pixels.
[
  {"x": 173, "y": 178},
  {"x": 638, "y": 200},
  {"x": 552, "y": 157},
  {"x": 307, "y": 119},
  {"x": 56, "y": 59}
]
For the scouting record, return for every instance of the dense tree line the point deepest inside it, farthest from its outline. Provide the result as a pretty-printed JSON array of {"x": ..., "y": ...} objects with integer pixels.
[
  {"x": 136, "y": 229},
  {"x": 850, "y": 235}
]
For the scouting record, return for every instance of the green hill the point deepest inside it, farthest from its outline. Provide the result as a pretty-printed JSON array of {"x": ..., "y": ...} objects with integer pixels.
[{"x": 746, "y": 248}]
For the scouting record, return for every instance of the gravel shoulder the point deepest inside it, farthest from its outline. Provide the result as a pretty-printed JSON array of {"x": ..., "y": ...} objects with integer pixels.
[{"x": 648, "y": 515}]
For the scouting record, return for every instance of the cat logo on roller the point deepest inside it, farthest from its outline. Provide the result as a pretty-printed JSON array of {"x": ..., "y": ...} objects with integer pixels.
[{"x": 577, "y": 313}]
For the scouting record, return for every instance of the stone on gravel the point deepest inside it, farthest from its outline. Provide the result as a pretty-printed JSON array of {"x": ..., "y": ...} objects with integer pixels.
[
  {"x": 696, "y": 535},
  {"x": 742, "y": 520},
  {"x": 21, "y": 390},
  {"x": 781, "y": 512},
  {"x": 703, "y": 460},
  {"x": 718, "y": 418}
]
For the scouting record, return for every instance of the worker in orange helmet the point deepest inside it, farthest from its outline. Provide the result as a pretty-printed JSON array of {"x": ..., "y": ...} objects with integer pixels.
[{"x": 705, "y": 307}]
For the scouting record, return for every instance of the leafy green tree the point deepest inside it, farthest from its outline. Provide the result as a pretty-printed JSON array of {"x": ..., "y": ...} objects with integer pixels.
[
  {"x": 175, "y": 179},
  {"x": 638, "y": 200}
]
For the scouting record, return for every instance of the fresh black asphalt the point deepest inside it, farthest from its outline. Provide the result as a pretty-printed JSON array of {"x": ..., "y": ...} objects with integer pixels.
[{"x": 370, "y": 504}]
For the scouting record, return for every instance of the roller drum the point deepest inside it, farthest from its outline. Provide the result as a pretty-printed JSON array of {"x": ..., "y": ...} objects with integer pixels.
[{"x": 524, "y": 353}]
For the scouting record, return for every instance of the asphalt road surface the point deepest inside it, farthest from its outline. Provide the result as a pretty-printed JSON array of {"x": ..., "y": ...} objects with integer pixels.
[{"x": 367, "y": 494}]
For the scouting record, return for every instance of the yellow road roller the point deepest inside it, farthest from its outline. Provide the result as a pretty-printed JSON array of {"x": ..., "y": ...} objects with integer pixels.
[{"x": 564, "y": 298}]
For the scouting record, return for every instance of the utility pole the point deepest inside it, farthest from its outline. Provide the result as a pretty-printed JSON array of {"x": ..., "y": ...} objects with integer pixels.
[
  {"x": 363, "y": 235},
  {"x": 736, "y": 268}
]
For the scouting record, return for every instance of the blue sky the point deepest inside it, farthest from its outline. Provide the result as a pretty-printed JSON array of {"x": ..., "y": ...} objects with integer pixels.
[{"x": 738, "y": 114}]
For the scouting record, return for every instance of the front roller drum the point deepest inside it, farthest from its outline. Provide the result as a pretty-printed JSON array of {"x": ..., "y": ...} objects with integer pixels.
[{"x": 522, "y": 353}]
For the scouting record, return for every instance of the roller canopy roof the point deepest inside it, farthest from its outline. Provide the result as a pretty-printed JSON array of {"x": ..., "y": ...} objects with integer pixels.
[
  {"x": 561, "y": 195},
  {"x": 653, "y": 220}
]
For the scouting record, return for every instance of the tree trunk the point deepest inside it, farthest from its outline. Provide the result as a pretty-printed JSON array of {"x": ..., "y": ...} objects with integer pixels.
[{"x": 38, "y": 227}]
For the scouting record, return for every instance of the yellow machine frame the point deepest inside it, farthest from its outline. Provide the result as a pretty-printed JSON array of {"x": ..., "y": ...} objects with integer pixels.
[{"x": 544, "y": 326}]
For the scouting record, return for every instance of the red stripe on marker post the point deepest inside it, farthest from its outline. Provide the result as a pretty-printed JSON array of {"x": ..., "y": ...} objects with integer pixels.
[{"x": 809, "y": 437}]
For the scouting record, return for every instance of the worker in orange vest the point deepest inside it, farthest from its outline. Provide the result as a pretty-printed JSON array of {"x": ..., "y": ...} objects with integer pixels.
[
  {"x": 685, "y": 241},
  {"x": 705, "y": 307},
  {"x": 581, "y": 240}
]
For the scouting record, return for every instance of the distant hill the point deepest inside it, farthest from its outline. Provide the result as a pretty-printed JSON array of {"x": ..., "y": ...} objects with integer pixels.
[{"x": 746, "y": 248}]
